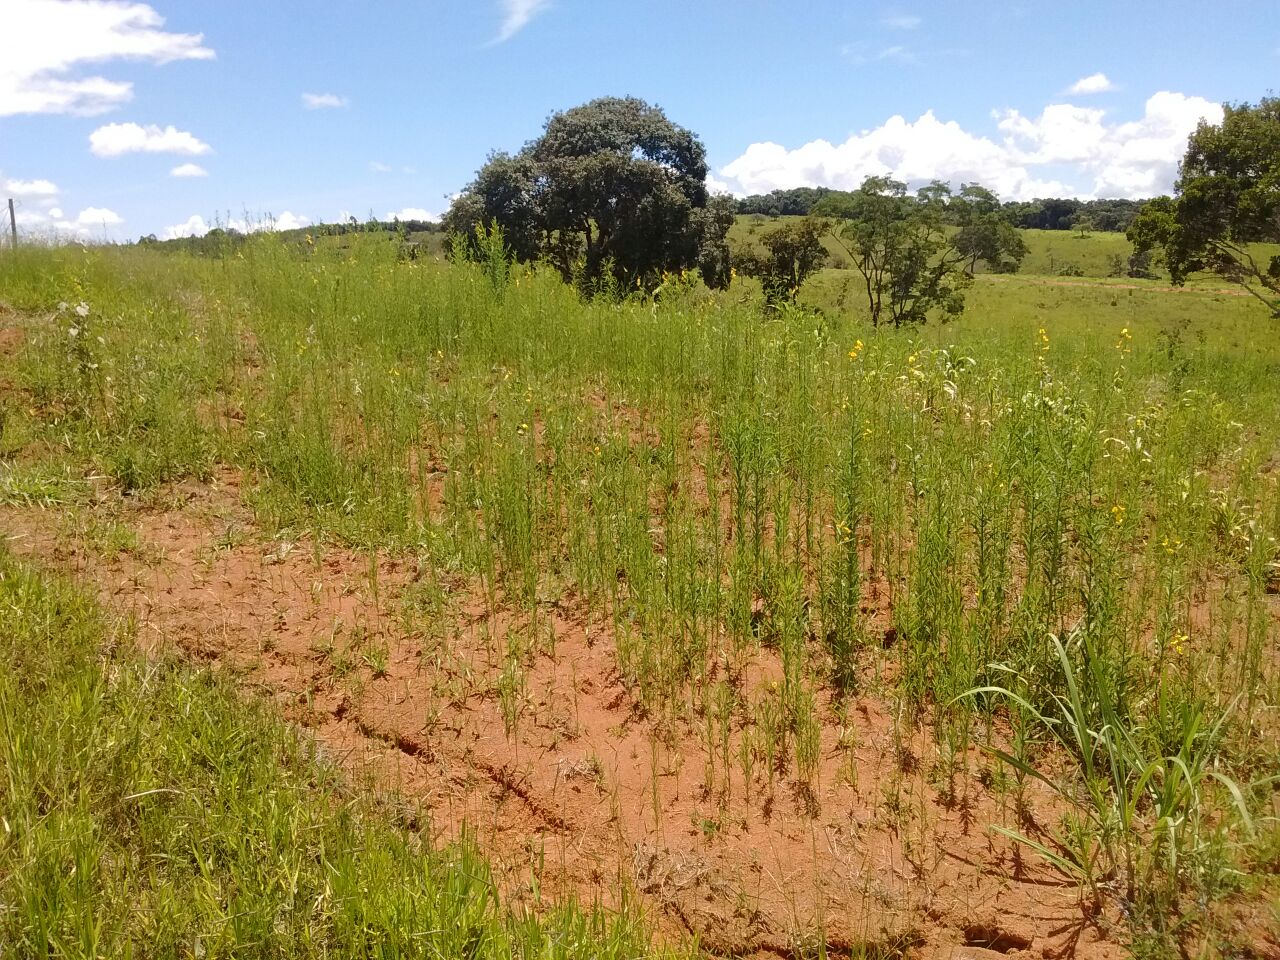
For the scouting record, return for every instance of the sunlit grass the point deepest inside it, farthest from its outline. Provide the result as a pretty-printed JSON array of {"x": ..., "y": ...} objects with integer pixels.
[{"x": 1088, "y": 462}]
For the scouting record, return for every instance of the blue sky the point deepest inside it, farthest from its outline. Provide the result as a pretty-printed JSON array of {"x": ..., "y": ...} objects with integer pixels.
[{"x": 308, "y": 111}]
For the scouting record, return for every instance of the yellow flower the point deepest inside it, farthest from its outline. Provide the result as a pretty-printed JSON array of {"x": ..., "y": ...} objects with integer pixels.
[{"x": 1118, "y": 513}]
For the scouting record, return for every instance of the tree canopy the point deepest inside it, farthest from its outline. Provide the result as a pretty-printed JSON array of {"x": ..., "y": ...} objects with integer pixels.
[
  {"x": 1227, "y": 197},
  {"x": 984, "y": 233},
  {"x": 611, "y": 192},
  {"x": 1113, "y": 215},
  {"x": 899, "y": 244},
  {"x": 790, "y": 254}
]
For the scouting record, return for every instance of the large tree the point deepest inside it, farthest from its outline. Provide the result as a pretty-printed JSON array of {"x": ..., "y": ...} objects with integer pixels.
[
  {"x": 611, "y": 190},
  {"x": 899, "y": 244},
  {"x": 983, "y": 233},
  {"x": 1227, "y": 197}
]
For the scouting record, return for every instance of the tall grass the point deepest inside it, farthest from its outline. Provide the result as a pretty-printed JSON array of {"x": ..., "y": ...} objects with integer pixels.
[{"x": 723, "y": 486}]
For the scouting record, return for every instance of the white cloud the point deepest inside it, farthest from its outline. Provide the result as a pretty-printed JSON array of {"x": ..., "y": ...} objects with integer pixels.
[
  {"x": 716, "y": 185},
  {"x": 51, "y": 222},
  {"x": 20, "y": 189},
  {"x": 29, "y": 218},
  {"x": 188, "y": 170},
  {"x": 46, "y": 39},
  {"x": 196, "y": 225},
  {"x": 286, "y": 221},
  {"x": 516, "y": 15},
  {"x": 1135, "y": 159},
  {"x": 36, "y": 200},
  {"x": 1094, "y": 83},
  {"x": 916, "y": 152},
  {"x": 323, "y": 101},
  {"x": 1065, "y": 151},
  {"x": 411, "y": 213},
  {"x": 378, "y": 167},
  {"x": 98, "y": 217},
  {"x": 904, "y": 21},
  {"x": 117, "y": 139}
]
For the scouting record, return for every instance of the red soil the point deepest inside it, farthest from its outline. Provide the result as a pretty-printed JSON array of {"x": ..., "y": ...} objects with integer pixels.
[{"x": 586, "y": 795}]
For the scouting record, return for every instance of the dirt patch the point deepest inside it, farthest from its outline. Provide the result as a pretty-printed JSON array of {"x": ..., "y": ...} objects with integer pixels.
[{"x": 514, "y": 725}]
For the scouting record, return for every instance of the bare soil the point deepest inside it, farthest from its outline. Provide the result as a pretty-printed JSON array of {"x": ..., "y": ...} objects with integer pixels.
[{"x": 584, "y": 795}]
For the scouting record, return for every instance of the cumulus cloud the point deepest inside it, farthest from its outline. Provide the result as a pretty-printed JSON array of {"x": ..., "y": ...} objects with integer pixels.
[
  {"x": 51, "y": 222},
  {"x": 1093, "y": 83},
  {"x": 46, "y": 40},
  {"x": 196, "y": 225},
  {"x": 716, "y": 185},
  {"x": 516, "y": 15},
  {"x": 901, "y": 21},
  {"x": 98, "y": 217},
  {"x": 21, "y": 189},
  {"x": 117, "y": 139},
  {"x": 1138, "y": 158},
  {"x": 188, "y": 170},
  {"x": 323, "y": 101},
  {"x": 1064, "y": 151},
  {"x": 39, "y": 211},
  {"x": 379, "y": 167},
  {"x": 916, "y": 152},
  {"x": 36, "y": 201},
  {"x": 286, "y": 221},
  {"x": 411, "y": 213}
]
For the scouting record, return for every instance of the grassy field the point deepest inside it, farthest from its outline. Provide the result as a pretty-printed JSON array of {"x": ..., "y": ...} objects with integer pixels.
[
  {"x": 790, "y": 635},
  {"x": 1050, "y": 253}
]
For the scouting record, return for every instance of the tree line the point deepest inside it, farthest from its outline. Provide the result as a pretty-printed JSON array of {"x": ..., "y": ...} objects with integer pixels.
[
  {"x": 1110, "y": 216},
  {"x": 613, "y": 196}
]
